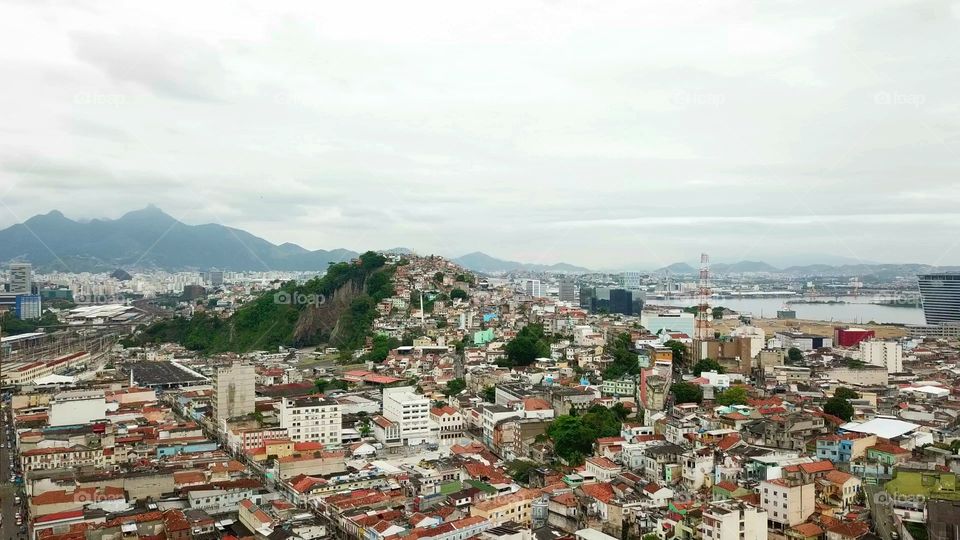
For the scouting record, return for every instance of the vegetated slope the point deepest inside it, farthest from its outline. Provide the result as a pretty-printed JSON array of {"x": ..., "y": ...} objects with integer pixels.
[{"x": 338, "y": 308}]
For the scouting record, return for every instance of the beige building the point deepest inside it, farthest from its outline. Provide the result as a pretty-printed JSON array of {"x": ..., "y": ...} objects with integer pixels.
[
  {"x": 234, "y": 391},
  {"x": 514, "y": 507},
  {"x": 41, "y": 459}
]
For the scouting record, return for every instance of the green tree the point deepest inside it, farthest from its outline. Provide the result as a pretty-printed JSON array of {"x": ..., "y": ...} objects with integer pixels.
[
  {"x": 363, "y": 426},
  {"x": 717, "y": 312},
  {"x": 839, "y": 407},
  {"x": 458, "y": 294},
  {"x": 454, "y": 387},
  {"x": 573, "y": 436},
  {"x": 707, "y": 364},
  {"x": 519, "y": 470},
  {"x": 846, "y": 393},
  {"x": 381, "y": 347},
  {"x": 625, "y": 361},
  {"x": 438, "y": 277},
  {"x": 489, "y": 394},
  {"x": 795, "y": 355},
  {"x": 530, "y": 344},
  {"x": 685, "y": 392},
  {"x": 736, "y": 395},
  {"x": 621, "y": 411},
  {"x": 327, "y": 385},
  {"x": 679, "y": 351}
]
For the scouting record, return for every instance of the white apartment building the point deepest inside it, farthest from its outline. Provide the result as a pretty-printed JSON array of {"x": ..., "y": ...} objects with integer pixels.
[
  {"x": 410, "y": 411},
  {"x": 883, "y": 353},
  {"x": 733, "y": 520},
  {"x": 786, "y": 502},
  {"x": 234, "y": 390},
  {"x": 493, "y": 414},
  {"x": 585, "y": 336},
  {"x": 312, "y": 419},
  {"x": 532, "y": 288}
]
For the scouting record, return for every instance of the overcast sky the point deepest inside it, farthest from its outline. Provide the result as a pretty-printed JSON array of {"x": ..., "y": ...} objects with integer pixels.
[{"x": 608, "y": 134}]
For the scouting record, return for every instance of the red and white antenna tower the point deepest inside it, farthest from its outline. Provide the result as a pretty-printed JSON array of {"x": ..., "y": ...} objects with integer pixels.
[{"x": 703, "y": 291}]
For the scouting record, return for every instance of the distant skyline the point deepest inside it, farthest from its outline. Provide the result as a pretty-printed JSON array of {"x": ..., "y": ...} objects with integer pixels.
[{"x": 614, "y": 135}]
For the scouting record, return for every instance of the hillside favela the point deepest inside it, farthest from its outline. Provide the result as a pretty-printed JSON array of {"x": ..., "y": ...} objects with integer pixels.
[{"x": 507, "y": 270}]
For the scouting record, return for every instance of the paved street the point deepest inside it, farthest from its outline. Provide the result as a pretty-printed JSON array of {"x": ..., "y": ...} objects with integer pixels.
[
  {"x": 8, "y": 491},
  {"x": 880, "y": 510}
]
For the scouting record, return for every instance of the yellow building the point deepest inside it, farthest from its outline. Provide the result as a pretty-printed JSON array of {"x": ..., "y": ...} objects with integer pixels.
[{"x": 514, "y": 507}]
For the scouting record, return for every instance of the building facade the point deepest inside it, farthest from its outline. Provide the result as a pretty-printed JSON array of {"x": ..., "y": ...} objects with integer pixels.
[
  {"x": 410, "y": 411},
  {"x": 882, "y": 353},
  {"x": 940, "y": 296},
  {"x": 312, "y": 419},
  {"x": 234, "y": 391}
]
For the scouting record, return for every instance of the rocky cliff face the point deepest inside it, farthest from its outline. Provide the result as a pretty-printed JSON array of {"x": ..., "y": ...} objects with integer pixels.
[{"x": 321, "y": 322}]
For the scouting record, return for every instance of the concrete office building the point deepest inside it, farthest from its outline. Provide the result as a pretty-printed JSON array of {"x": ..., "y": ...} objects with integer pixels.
[
  {"x": 940, "y": 296},
  {"x": 568, "y": 291},
  {"x": 621, "y": 301},
  {"x": 21, "y": 278},
  {"x": 882, "y": 353},
  {"x": 234, "y": 391},
  {"x": 532, "y": 288},
  {"x": 312, "y": 419},
  {"x": 28, "y": 306},
  {"x": 409, "y": 410}
]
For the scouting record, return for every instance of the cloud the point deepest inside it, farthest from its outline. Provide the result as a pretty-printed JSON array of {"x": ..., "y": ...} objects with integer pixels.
[
  {"x": 167, "y": 65},
  {"x": 606, "y": 136}
]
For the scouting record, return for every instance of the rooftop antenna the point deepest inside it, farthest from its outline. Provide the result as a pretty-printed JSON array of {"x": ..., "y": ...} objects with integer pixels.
[
  {"x": 422, "y": 321},
  {"x": 703, "y": 291}
]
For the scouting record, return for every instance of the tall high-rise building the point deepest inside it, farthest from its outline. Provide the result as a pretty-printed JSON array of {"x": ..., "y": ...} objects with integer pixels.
[
  {"x": 621, "y": 301},
  {"x": 587, "y": 297},
  {"x": 568, "y": 291},
  {"x": 234, "y": 391},
  {"x": 940, "y": 295},
  {"x": 21, "y": 278},
  {"x": 532, "y": 288},
  {"x": 213, "y": 278}
]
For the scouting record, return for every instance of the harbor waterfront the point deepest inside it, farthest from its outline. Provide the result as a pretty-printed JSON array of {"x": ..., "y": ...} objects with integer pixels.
[{"x": 845, "y": 309}]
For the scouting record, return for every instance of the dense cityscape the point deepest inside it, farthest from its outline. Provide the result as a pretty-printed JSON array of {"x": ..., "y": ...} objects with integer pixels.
[{"x": 399, "y": 396}]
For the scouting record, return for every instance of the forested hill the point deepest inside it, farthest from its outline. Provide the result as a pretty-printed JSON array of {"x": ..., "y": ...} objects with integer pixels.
[{"x": 338, "y": 308}]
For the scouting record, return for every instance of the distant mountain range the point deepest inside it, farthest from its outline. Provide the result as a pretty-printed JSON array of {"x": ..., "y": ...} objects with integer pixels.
[
  {"x": 481, "y": 262},
  {"x": 883, "y": 271},
  {"x": 150, "y": 238}
]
